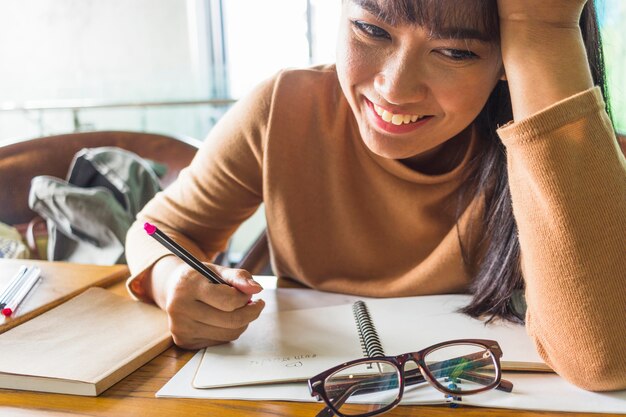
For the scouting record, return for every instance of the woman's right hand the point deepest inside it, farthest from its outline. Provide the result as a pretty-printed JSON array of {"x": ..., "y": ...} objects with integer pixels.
[{"x": 201, "y": 313}]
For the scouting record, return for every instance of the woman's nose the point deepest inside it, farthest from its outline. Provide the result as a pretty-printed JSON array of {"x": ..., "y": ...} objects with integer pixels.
[{"x": 402, "y": 81}]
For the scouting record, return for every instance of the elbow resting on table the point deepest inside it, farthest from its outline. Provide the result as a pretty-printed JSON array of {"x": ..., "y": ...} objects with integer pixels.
[{"x": 589, "y": 370}]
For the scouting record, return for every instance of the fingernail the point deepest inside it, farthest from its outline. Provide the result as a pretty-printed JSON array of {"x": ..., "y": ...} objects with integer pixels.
[{"x": 254, "y": 283}]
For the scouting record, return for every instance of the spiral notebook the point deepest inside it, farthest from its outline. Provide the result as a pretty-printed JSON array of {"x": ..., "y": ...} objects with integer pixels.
[{"x": 295, "y": 345}]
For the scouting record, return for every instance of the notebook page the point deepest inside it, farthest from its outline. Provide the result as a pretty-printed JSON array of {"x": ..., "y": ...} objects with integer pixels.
[
  {"x": 296, "y": 345},
  {"x": 285, "y": 346},
  {"x": 413, "y": 323}
]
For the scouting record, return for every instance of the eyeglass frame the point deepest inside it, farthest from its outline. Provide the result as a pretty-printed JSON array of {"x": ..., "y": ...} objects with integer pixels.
[{"x": 316, "y": 383}]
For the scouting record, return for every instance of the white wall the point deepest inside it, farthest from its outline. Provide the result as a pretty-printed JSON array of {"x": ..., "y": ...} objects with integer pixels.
[
  {"x": 119, "y": 49},
  {"x": 115, "y": 50}
]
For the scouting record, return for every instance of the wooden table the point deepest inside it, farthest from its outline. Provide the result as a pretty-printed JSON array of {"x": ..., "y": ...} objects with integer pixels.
[{"x": 134, "y": 397}]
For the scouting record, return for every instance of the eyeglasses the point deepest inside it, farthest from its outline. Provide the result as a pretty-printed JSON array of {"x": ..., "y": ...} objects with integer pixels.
[{"x": 376, "y": 385}]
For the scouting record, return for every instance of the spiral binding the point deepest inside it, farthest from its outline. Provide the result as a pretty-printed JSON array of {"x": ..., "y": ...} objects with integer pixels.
[{"x": 370, "y": 343}]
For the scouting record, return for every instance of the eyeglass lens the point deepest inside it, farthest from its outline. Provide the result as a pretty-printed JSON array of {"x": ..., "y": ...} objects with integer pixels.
[
  {"x": 461, "y": 368},
  {"x": 370, "y": 386}
]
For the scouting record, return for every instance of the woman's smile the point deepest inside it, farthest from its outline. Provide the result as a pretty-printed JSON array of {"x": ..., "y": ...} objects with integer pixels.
[{"x": 392, "y": 122}]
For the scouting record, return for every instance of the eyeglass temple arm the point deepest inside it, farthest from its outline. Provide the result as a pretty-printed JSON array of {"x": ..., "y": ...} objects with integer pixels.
[{"x": 504, "y": 385}]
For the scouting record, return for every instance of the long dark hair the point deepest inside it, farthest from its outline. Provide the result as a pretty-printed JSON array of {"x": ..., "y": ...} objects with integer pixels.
[{"x": 494, "y": 260}]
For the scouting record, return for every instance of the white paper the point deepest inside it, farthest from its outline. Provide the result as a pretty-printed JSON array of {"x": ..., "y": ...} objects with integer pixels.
[
  {"x": 283, "y": 347},
  {"x": 180, "y": 387},
  {"x": 549, "y": 392},
  {"x": 413, "y": 323},
  {"x": 531, "y": 391},
  {"x": 287, "y": 299}
]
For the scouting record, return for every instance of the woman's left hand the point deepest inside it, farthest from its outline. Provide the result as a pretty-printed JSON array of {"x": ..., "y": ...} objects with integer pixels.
[
  {"x": 543, "y": 51},
  {"x": 551, "y": 13}
]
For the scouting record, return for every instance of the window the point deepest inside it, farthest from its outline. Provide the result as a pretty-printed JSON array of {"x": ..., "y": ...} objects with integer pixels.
[
  {"x": 263, "y": 37},
  {"x": 612, "y": 14},
  {"x": 130, "y": 65}
]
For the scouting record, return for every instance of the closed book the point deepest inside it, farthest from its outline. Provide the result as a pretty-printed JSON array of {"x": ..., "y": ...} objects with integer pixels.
[{"x": 83, "y": 346}]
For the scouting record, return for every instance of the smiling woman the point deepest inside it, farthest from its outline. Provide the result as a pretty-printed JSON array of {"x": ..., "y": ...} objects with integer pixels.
[
  {"x": 454, "y": 147},
  {"x": 415, "y": 71}
]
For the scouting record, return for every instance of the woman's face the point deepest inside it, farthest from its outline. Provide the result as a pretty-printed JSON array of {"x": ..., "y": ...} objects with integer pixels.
[{"x": 411, "y": 89}]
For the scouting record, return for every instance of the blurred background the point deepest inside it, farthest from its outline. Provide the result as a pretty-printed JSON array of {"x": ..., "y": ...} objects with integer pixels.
[
  {"x": 174, "y": 66},
  {"x": 161, "y": 66},
  {"x": 164, "y": 66}
]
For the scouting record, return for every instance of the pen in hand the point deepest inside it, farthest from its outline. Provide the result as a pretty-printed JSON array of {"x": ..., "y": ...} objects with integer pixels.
[
  {"x": 201, "y": 314},
  {"x": 183, "y": 254}
]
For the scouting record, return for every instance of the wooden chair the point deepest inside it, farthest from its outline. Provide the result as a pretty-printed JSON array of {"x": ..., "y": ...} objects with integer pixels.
[
  {"x": 52, "y": 155},
  {"x": 256, "y": 260}
]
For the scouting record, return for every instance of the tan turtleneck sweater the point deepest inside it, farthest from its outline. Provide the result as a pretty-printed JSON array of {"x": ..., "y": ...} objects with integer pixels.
[{"x": 342, "y": 219}]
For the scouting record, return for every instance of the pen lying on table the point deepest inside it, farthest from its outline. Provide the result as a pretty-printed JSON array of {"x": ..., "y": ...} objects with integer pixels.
[
  {"x": 19, "y": 287},
  {"x": 13, "y": 286},
  {"x": 182, "y": 253}
]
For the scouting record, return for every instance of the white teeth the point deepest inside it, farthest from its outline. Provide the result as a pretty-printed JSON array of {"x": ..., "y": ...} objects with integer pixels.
[{"x": 396, "y": 119}]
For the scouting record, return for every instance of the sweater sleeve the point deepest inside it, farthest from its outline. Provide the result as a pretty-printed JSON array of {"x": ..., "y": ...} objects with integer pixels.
[
  {"x": 567, "y": 177},
  {"x": 212, "y": 196}
]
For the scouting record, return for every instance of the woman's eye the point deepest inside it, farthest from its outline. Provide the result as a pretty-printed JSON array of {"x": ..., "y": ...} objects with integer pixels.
[
  {"x": 458, "y": 54},
  {"x": 371, "y": 30}
]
